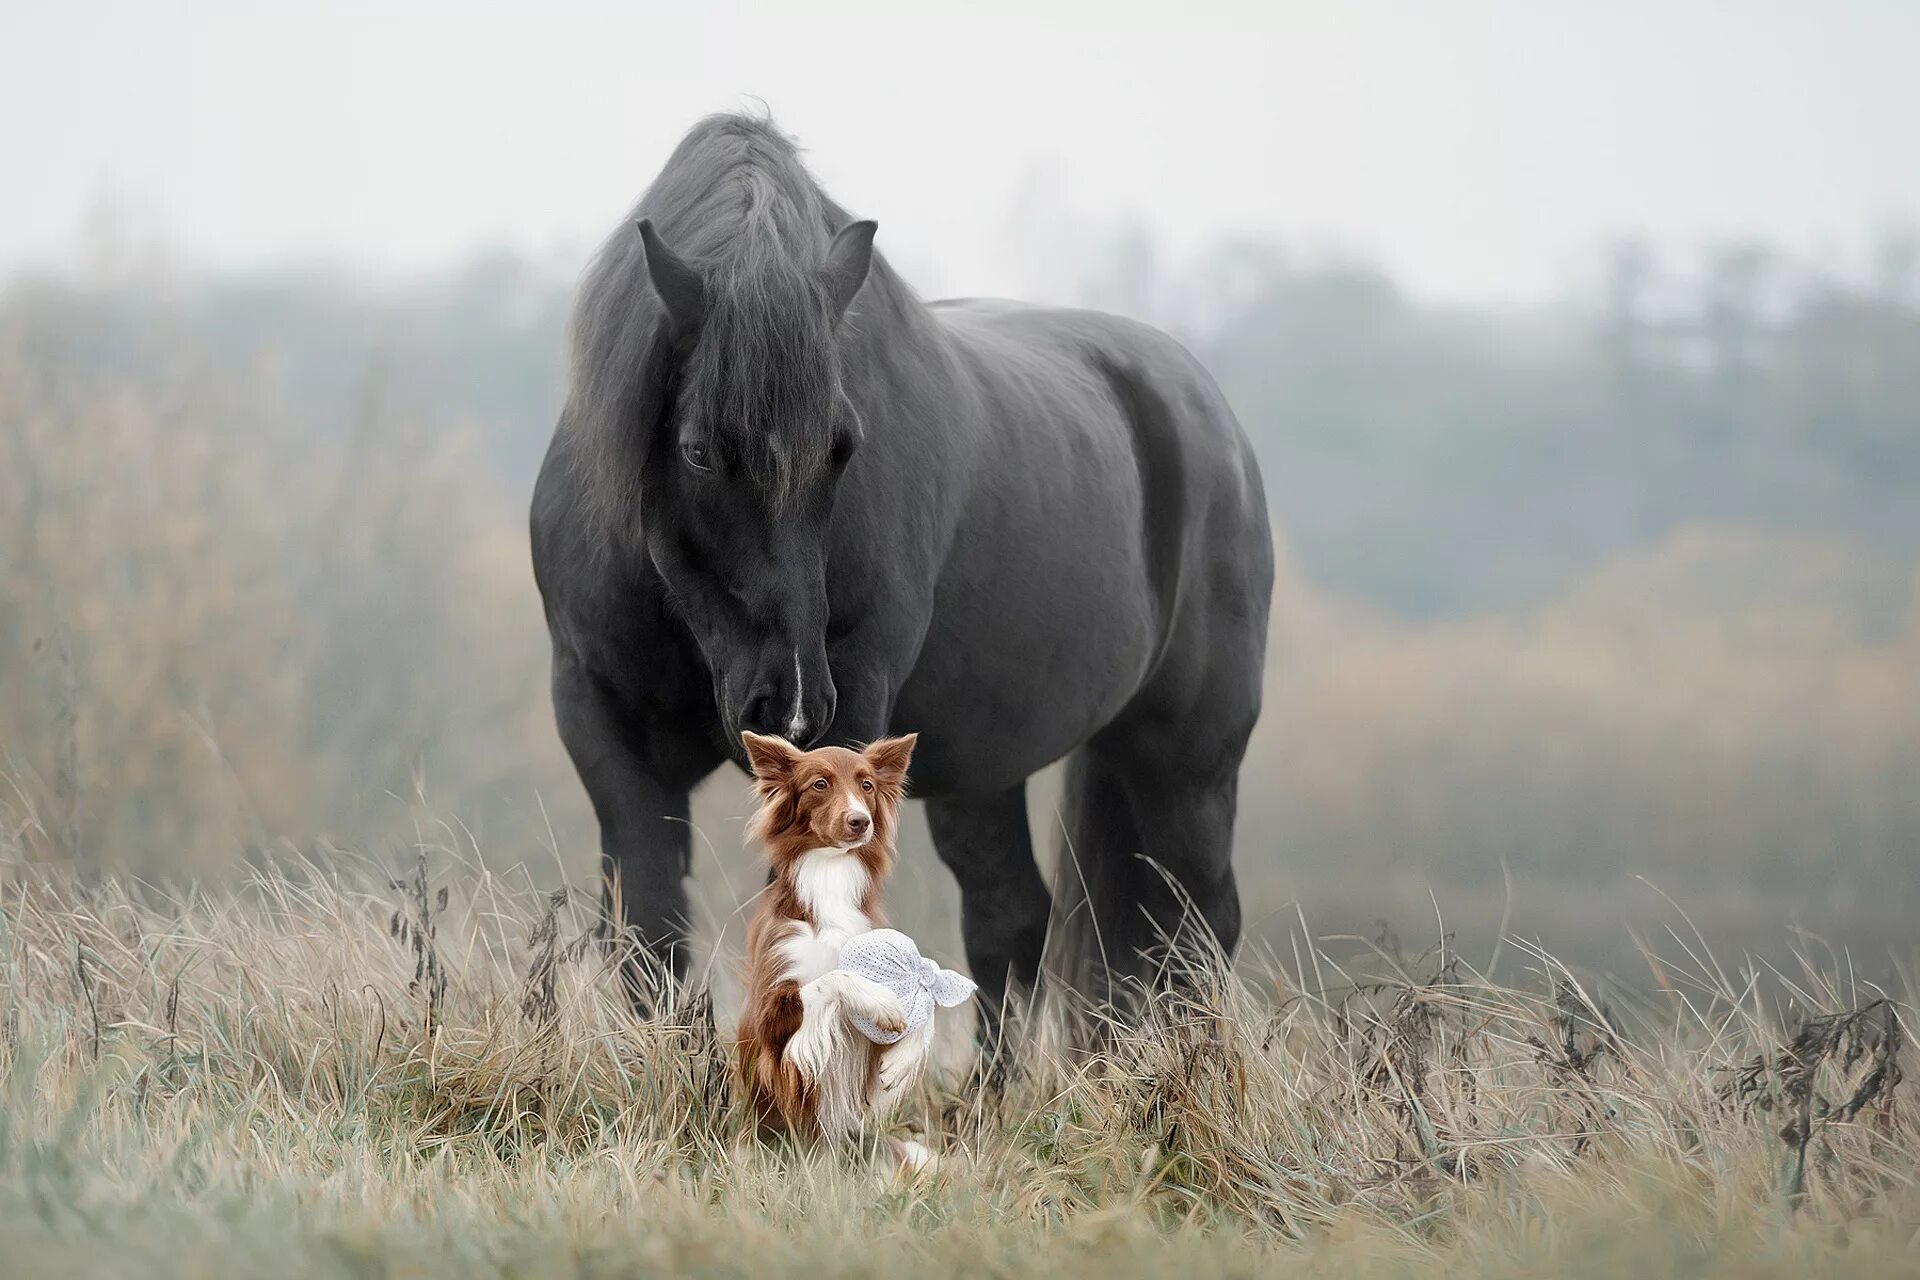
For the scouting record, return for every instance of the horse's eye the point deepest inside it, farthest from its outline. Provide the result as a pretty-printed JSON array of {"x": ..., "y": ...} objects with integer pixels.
[
  {"x": 842, "y": 451},
  {"x": 696, "y": 456},
  {"x": 819, "y": 784},
  {"x": 866, "y": 784}
]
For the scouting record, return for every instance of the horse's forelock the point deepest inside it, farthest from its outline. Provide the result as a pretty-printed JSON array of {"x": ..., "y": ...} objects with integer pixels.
[
  {"x": 735, "y": 201},
  {"x": 762, "y": 381}
]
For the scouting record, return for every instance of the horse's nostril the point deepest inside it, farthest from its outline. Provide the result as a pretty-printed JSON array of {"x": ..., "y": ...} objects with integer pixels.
[{"x": 762, "y": 715}]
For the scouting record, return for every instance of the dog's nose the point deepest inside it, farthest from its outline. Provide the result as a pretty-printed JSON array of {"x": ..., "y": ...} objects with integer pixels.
[{"x": 858, "y": 823}]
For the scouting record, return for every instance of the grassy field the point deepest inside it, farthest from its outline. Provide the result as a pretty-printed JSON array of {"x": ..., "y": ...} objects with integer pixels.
[
  {"x": 273, "y": 594},
  {"x": 311, "y": 1076}
]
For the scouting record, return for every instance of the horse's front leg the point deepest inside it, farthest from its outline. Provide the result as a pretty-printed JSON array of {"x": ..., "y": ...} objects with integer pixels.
[{"x": 639, "y": 768}]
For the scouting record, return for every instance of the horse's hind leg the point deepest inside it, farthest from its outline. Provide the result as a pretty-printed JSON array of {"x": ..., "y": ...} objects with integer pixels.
[
  {"x": 1192, "y": 900},
  {"x": 1150, "y": 810},
  {"x": 985, "y": 842},
  {"x": 1094, "y": 948}
]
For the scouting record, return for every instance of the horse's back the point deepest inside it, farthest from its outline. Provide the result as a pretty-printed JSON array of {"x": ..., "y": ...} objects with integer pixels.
[
  {"x": 1153, "y": 380},
  {"x": 1199, "y": 485}
]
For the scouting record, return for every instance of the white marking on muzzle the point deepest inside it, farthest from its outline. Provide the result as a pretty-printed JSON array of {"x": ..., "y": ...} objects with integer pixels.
[{"x": 797, "y": 724}]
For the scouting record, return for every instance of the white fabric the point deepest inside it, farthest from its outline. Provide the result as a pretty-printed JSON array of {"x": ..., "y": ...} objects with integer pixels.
[{"x": 891, "y": 959}]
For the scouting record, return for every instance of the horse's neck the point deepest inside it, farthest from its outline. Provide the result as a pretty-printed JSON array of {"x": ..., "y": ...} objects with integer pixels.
[{"x": 898, "y": 317}]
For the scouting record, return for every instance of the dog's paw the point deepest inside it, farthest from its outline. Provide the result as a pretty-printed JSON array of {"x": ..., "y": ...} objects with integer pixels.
[
  {"x": 806, "y": 1055},
  {"x": 915, "y": 1160},
  {"x": 897, "y": 1071},
  {"x": 811, "y": 1047},
  {"x": 888, "y": 1015}
]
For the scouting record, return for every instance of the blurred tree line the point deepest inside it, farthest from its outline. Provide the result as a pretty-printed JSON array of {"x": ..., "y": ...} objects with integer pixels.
[
  {"x": 1440, "y": 460},
  {"x": 1436, "y": 460}
]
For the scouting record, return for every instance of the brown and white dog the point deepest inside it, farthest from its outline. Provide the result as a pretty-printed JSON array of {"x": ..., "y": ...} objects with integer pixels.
[{"x": 826, "y": 820}]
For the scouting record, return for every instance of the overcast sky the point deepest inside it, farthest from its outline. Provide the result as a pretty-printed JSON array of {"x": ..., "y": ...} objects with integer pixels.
[{"x": 1478, "y": 148}]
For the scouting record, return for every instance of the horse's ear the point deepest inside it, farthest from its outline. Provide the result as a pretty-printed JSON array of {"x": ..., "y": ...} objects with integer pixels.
[
  {"x": 848, "y": 258},
  {"x": 680, "y": 288}
]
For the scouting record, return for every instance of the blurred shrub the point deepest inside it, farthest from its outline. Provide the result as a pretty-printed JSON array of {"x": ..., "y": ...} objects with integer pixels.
[
  {"x": 1733, "y": 715},
  {"x": 218, "y": 629}
]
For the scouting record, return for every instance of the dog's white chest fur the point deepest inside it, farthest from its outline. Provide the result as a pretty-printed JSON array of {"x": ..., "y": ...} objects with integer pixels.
[{"x": 829, "y": 884}]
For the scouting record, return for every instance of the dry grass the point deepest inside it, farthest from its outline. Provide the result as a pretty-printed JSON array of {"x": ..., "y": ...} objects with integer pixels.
[{"x": 432, "y": 1076}]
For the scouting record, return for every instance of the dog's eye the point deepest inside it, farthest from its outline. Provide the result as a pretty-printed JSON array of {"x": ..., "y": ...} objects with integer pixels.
[
  {"x": 866, "y": 784},
  {"x": 819, "y": 784}
]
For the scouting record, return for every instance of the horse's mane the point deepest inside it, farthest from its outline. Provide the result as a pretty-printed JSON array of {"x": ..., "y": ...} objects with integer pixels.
[{"x": 735, "y": 201}]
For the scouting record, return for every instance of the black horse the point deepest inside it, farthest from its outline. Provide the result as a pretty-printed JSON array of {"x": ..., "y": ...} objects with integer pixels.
[{"x": 787, "y": 495}]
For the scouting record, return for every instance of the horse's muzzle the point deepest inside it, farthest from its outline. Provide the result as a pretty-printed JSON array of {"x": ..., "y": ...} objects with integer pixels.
[{"x": 785, "y": 701}]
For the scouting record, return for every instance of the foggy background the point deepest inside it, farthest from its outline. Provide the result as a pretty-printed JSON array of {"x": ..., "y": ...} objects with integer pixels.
[{"x": 1580, "y": 347}]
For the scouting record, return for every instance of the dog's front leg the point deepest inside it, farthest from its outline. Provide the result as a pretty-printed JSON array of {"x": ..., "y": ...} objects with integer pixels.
[
  {"x": 900, "y": 1064},
  {"x": 871, "y": 1001},
  {"x": 824, "y": 1003}
]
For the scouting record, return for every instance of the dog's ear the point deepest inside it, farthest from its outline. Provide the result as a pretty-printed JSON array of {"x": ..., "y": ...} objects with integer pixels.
[
  {"x": 889, "y": 758},
  {"x": 772, "y": 758}
]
